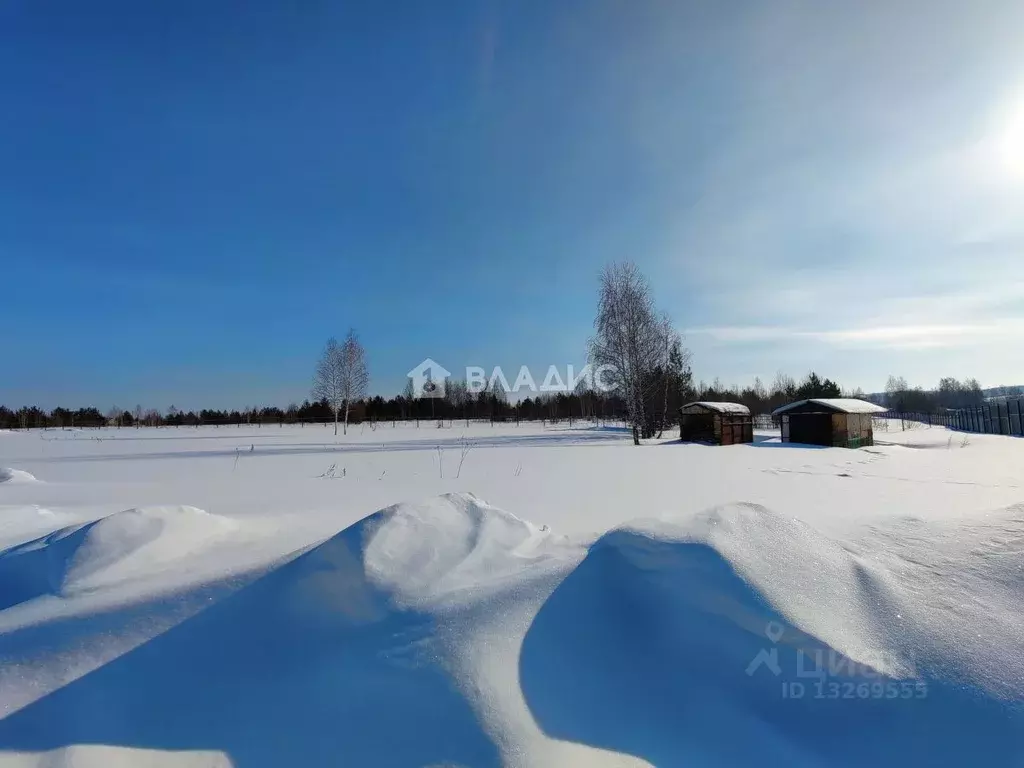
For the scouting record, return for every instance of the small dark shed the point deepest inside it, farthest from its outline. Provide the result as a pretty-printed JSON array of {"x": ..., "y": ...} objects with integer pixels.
[
  {"x": 716, "y": 423},
  {"x": 838, "y": 422}
]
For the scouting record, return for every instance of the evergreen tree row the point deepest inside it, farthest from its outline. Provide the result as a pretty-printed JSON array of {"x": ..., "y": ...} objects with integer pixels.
[{"x": 669, "y": 389}]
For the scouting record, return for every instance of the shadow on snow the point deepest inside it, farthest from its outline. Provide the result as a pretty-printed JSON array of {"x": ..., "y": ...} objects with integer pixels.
[
  {"x": 645, "y": 649},
  {"x": 308, "y": 665}
]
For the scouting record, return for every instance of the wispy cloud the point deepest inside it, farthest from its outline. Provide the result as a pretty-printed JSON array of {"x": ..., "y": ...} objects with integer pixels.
[
  {"x": 877, "y": 337},
  {"x": 868, "y": 197}
]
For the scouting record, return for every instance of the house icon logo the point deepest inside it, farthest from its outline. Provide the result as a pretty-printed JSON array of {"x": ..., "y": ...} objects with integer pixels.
[{"x": 428, "y": 379}]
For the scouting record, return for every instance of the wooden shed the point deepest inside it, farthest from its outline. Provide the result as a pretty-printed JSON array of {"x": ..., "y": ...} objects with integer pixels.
[
  {"x": 838, "y": 422},
  {"x": 716, "y": 423}
]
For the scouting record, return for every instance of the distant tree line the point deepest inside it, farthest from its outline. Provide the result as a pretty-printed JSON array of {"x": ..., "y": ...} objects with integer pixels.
[
  {"x": 949, "y": 394},
  {"x": 671, "y": 388},
  {"x": 765, "y": 399},
  {"x": 457, "y": 403}
]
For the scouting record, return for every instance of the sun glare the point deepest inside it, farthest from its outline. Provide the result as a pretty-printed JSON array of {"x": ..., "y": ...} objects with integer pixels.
[{"x": 1007, "y": 141}]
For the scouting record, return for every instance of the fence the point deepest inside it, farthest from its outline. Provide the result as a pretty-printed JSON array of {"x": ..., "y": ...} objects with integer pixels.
[
  {"x": 354, "y": 424},
  {"x": 1006, "y": 418}
]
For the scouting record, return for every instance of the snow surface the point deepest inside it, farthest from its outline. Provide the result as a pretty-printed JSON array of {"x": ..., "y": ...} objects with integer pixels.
[
  {"x": 841, "y": 404},
  {"x": 524, "y": 596},
  {"x": 8, "y": 475},
  {"x": 723, "y": 407}
]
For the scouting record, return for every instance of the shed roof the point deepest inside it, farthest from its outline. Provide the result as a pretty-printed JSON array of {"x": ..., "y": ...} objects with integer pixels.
[
  {"x": 837, "y": 404},
  {"x": 722, "y": 407}
]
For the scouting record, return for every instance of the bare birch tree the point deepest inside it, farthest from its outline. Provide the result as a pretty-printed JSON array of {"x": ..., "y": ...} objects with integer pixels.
[
  {"x": 675, "y": 367},
  {"x": 354, "y": 376},
  {"x": 327, "y": 380},
  {"x": 629, "y": 339},
  {"x": 341, "y": 377}
]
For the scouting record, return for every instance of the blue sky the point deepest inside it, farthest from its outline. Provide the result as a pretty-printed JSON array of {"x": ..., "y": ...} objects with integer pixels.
[{"x": 194, "y": 195}]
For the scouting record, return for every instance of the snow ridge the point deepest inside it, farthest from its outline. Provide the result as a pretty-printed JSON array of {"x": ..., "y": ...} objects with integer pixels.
[
  {"x": 83, "y": 557},
  {"x": 10, "y": 475}
]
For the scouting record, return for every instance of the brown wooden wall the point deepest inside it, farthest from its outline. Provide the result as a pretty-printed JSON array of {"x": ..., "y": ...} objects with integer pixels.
[
  {"x": 716, "y": 428},
  {"x": 854, "y": 431},
  {"x": 735, "y": 429}
]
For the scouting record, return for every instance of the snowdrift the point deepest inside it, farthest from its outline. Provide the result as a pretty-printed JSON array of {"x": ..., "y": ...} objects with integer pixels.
[
  {"x": 114, "y": 548},
  {"x": 453, "y": 633},
  {"x": 697, "y": 644},
  {"x": 339, "y": 657},
  {"x": 9, "y": 475}
]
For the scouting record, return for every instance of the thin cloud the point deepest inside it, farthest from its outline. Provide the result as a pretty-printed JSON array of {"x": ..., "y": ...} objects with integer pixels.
[
  {"x": 861, "y": 204},
  {"x": 881, "y": 337}
]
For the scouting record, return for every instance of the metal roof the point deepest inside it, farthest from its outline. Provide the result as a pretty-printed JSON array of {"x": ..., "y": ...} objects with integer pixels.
[
  {"x": 837, "y": 404},
  {"x": 722, "y": 407}
]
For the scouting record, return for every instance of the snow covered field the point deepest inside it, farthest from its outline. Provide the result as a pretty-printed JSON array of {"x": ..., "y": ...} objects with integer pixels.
[{"x": 525, "y": 596}]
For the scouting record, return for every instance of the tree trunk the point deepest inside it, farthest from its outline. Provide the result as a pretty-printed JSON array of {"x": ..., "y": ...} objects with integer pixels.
[
  {"x": 335, "y": 422},
  {"x": 664, "y": 408},
  {"x": 345, "y": 428},
  {"x": 635, "y": 416}
]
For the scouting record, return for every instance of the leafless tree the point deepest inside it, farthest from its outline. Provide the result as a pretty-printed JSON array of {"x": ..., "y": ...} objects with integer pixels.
[
  {"x": 408, "y": 395},
  {"x": 783, "y": 386},
  {"x": 760, "y": 393},
  {"x": 355, "y": 377},
  {"x": 895, "y": 392},
  {"x": 327, "y": 380},
  {"x": 671, "y": 348},
  {"x": 628, "y": 338},
  {"x": 585, "y": 392},
  {"x": 341, "y": 376}
]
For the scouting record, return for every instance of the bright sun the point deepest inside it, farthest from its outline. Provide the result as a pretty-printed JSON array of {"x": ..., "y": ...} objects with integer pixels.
[{"x": 1007, "y": 141}]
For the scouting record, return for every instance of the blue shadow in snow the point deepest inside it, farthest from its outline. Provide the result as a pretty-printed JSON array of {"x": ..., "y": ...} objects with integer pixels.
[
  {"x": 764, "y": 441},
  {"x": 306, "y": 666},
  {"x": 645, "y": 649}
]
